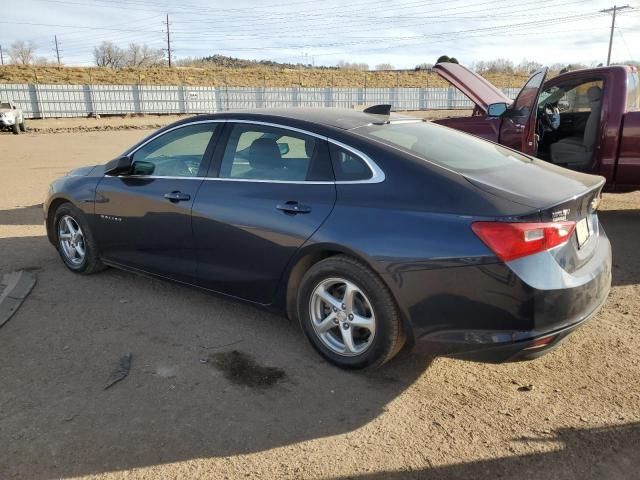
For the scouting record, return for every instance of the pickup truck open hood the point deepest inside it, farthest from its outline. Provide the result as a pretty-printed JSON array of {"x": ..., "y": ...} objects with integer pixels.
[{"x": 479, "y": 90}]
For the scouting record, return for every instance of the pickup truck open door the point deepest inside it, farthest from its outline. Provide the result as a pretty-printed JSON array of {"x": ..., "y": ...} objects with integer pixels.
[{"x": 518, "y": 127}]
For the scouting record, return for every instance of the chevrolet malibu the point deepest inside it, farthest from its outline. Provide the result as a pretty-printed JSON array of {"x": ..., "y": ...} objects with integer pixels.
[{"x": 374, "y": 231}]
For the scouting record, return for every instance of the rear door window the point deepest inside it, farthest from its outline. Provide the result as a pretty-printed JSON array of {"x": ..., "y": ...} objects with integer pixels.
[{"x": 261, "y": 152}]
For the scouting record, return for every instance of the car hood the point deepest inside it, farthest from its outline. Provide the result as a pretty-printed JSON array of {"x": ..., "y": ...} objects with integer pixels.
[{"x": 480, "y": 91}]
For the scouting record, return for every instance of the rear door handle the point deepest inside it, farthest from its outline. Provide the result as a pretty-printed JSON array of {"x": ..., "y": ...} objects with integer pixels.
[
  {"x": 177, "y": 196},
  {"x": 293, "y": 208}
]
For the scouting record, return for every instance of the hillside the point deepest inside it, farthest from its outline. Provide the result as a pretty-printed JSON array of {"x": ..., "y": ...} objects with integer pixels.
[{"x": 235, "y": 77}]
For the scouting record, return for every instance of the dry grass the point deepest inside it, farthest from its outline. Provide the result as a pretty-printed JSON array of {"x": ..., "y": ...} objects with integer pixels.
[{"x": 234, "y": 77}]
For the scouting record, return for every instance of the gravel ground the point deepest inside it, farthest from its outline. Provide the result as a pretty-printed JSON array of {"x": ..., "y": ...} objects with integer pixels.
[{"x": 219, "y": 389}]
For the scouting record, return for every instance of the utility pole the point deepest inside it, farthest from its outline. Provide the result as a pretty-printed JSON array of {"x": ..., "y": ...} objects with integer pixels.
[
  {"x": 613, "y": 10},
  {"x": 1, "y": 56},
  {"x": 55, "y": 39},
  {"x": 168, "y": 41}
]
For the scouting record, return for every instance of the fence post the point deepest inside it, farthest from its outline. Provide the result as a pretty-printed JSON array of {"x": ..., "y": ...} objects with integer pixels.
[
  {"x": 328, "y": 97},
  {"x": 450, "y": 93},
  {"x": 183, "y": 101}
]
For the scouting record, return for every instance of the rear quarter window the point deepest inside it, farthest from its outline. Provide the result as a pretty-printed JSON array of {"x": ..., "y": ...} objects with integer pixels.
[{"x": 348, "y": 167}]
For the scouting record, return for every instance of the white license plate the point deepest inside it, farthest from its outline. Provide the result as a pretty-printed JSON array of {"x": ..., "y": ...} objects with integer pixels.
[{"x": 582, "y": 232}]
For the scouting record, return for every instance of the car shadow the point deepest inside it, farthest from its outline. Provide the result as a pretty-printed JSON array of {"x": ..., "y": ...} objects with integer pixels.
[
  {"x": 616, "y": 456},
  {"x": 31, "y": 215},
  {"x": 209, "y": 377},
  {"x": 623, "y": 229}
]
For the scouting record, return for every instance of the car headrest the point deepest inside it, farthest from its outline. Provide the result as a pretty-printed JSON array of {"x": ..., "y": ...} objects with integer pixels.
[
  {"x": 265, "y": 153},
  {"x": 594, "y": 94}
]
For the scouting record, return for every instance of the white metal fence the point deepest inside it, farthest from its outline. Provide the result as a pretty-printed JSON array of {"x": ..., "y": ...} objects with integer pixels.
[{"x": 42, "y": 101}]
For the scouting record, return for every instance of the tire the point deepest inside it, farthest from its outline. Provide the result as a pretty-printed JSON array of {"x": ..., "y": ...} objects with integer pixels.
[
  {"x": 23, "y": 126},
  {"x": 324, "y": 318},
  {"x": 87, "y": 263},
  {"x": 15, "y": 128}
]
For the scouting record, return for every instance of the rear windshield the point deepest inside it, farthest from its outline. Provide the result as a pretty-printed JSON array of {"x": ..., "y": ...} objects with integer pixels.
[
  {"x": 443, "y": 146},
  {"x": 633, "y": 92}
]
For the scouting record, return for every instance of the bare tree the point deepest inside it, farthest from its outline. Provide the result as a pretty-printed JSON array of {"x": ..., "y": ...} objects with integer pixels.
[
  {"x": 143, "y": 56},
  {"x": 384, "y": 66},
  {"x": 352, "y": 66},
  {"x": 424, "y": 66},
  {"x": 41, "y": 61},
  {"x": 109, "y": 55},
  {"x": 22, "y": 52}
]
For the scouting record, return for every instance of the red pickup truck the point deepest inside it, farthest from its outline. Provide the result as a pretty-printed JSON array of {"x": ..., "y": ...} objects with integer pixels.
[{"x": 587, "y": 120}]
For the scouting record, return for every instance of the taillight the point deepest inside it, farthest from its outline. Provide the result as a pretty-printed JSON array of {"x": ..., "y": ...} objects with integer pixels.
[{"x": 514, "y": 240}]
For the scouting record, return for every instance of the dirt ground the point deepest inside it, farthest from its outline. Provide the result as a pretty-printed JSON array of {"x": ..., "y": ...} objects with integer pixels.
[{"x": 219, "y": 389}]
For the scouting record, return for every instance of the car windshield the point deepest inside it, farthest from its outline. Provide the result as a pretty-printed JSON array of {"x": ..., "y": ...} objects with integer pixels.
[
  {"x": 5, "y": 105},
  {"x": 443, "y": 146}
]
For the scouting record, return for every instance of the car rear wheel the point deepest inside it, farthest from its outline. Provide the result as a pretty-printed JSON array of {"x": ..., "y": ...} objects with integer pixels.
[
  {"x": 15, "y": 128},
  {"x": 74, "y": 240},
  {"x": 348, "y": 314}
]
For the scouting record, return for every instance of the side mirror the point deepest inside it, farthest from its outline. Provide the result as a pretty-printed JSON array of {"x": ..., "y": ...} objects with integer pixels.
[
  {"x": 118, "y": 166},
  {"x": 284, "y": 148},
  {"x": 496, "y": 109},
  {"x": 142, "y": 168}
]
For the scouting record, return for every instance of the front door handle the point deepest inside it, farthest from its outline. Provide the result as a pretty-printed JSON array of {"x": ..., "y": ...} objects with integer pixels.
[
  {"x": 293, "y": 208},
  {"x": 177, "y": 196}
]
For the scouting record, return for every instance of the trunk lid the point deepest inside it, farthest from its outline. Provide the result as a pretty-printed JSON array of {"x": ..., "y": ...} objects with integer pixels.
[
  {"x": 479, "y": 90},
  {"x": 554, "y": 194}
]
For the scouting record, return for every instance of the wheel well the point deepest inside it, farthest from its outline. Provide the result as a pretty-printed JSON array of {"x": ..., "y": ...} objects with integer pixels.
[
  {"x": 51, "y": 211},
  {"x": 296, "y": 274}
]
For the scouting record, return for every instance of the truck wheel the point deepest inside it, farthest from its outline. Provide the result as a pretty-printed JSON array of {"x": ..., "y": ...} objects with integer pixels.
[
  {"x": 15, "y": 129},
  {"x": 23, "y": 126}
]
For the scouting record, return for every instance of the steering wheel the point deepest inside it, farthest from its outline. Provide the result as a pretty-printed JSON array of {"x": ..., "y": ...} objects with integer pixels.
[{"x": 549, "y": 117}]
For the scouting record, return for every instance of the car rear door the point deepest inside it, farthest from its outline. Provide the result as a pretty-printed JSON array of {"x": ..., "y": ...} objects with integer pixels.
[
  {"x": 270, "y": 189},
  {"x": 143, "y": 219},
  {"x": 518, "y": 129}
]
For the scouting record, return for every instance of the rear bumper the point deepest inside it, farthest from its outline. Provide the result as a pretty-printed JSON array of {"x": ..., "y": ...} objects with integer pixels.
[
  {"x": 501, "y": 346},
  {"x": 512, "y": 320}
]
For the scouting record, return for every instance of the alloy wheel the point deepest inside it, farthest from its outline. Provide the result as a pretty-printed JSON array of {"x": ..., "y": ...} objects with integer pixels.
[
  {"x": 71, "y": 240},
  {"x": 342, "y": 316}
]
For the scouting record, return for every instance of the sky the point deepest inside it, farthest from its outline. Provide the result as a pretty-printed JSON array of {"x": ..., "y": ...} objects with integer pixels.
[{"x": 403, "y": 33}]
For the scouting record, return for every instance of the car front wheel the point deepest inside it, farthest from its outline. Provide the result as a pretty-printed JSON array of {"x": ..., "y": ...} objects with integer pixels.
[
  {"x": 348, "y": 314},
  {"x": 23, "y": 126},
  {"x": 74, "y": 240},
  {"x": 15, "y": 128}
]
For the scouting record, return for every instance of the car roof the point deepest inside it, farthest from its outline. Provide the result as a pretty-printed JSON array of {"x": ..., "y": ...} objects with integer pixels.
[{"x": 333, "y": 117}]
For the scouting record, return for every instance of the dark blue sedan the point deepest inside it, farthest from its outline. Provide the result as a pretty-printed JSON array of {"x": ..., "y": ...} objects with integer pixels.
[{"x": 374, "y": 231}]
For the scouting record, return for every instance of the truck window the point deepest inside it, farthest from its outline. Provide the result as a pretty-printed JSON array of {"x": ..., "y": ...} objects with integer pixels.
[
  {"x": 633, "y": 92},
  {"x": 576, "y": 99}
]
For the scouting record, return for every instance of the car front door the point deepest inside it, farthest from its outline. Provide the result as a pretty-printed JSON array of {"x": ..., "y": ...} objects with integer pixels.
[
  {"x": 143, "y": 218},
  {"x": 271, "y": 188},
  {"x": 518, "y": 129}
]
